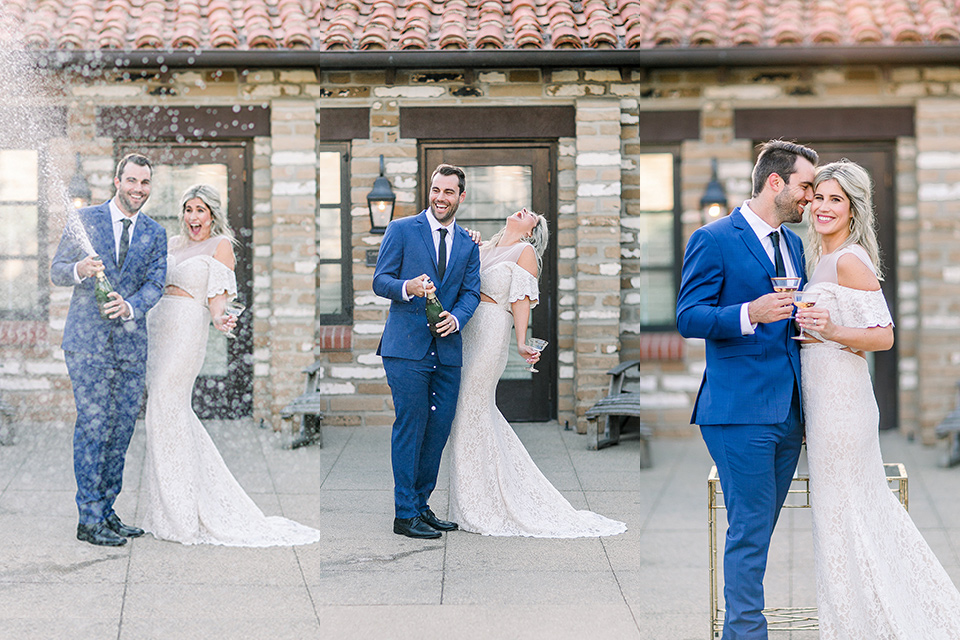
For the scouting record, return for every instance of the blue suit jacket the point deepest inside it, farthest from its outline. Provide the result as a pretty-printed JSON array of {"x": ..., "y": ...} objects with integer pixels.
[
  {"x": 140, "y": 283},
  {"x": 748, "y": 379},
  {"x": 407, "y": 251}
]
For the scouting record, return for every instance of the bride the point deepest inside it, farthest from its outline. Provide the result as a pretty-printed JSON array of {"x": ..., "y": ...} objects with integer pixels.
[
  {"x": 495, "y": 487},
  {"x": 876, "y": 576},
  {"x": 190, "y": 496}
]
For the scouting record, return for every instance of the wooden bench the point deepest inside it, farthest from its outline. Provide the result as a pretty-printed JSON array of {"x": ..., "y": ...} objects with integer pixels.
[
  {"x": 619, "y": 410},
  {"x": 309, "y": 406}
]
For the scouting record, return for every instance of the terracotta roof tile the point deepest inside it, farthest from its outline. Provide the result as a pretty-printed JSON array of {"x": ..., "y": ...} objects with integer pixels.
[{"x": 476, "y": 24}]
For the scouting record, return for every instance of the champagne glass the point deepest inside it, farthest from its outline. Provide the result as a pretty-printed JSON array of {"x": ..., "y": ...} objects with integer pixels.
[
  {"x": 537, "y": 345},
  {"x": 804, "y": 300},
  {"x": 234, "y": 309},
  {"x": 785, "y": 284}
]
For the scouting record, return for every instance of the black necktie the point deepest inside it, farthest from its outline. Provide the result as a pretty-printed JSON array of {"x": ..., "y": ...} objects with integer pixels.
[
  {"x": 442, "y": 254},
  {"x": 777, "y": 256},
  {"x": 124, "y": 241}
]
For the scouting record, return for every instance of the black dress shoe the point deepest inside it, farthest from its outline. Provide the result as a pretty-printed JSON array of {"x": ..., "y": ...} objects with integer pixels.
[
  {"x": 99, "y": 534},
  {"x": 124, "y": 530},
  {"x": 414, "y": 528},
  {"x": 431, "y": 519}
]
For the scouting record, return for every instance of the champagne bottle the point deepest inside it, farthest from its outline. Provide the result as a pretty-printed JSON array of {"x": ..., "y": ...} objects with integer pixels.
[
  {"x": 434, "y": 309},
  {"x": 102, "y": 290}
]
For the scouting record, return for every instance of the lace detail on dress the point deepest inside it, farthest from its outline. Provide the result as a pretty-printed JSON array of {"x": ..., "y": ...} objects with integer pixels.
[
  {"x": 877, "y": 578},
  {"x": 189, "y": 494},
  {"x": 221, "y": 280},
  {"x": 495, "y": 487},
  {"x": 523, "y": 285}
]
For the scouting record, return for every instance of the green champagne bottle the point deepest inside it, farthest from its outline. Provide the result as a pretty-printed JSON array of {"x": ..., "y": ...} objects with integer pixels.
[
  {"x": 434, "y": 309},
  {"x": 102, "y": 290}
]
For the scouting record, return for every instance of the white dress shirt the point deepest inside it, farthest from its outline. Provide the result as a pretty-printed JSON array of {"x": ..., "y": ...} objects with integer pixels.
[
  {"x": 435, "y": 227},
  {"x": 763, "y": 230},
  {"x": 116, "y": 220}
]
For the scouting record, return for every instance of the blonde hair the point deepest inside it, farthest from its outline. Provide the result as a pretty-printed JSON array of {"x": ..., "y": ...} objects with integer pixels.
[
  {"x": 219, "y": 225},
  {"x": 856, "y": 184},
  {"x": 539, "y": 237}
]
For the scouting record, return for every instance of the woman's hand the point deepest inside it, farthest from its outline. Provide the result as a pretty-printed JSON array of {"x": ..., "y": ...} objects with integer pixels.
[
  {"x": 817, "y": 319},
  {"x": 224, "y": 322},
  {"x": 474, "y": 235},
  {"x": 532, "y": 356}
]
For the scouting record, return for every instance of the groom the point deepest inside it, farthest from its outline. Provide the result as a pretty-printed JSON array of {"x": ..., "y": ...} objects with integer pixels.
[
  {"x": 419, "y": 255},
  {"x": 106, "y": 357},
  {"x": 748, "y": 407}
]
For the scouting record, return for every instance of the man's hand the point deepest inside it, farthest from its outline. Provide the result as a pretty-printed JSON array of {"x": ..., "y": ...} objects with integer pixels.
[
  {"x": 420, "y": 286},
  {"x": 117, "y": 307},
  {"x": 89, "y": 266},
  {"x": 772, "y": 307},
  {"x": 447, "y": 324}
]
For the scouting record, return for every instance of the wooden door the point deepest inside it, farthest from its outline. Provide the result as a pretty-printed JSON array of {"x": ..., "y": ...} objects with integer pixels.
[{"x": 502, "y": 178}]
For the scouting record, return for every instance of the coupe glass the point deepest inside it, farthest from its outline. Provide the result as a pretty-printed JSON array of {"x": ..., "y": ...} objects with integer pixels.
[
  {"x": 804, "y": 300},
  {"x": 785, "y": 284},
  {"x": 234, "y": 309},
  {"x": 537, "y": 345}
]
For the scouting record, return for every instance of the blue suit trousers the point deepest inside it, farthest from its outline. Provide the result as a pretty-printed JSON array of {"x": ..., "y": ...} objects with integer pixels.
[
  {"x": 425, "y": 399},
  {"x": 756, "y": 464},
  {"x": 108, "y": 393}
]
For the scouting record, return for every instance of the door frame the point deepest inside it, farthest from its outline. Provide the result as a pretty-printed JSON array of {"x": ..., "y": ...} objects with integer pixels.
[{"x": 514, "y": 400}]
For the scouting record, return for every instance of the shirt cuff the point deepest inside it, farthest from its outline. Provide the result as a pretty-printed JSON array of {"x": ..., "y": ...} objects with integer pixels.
[
  {"x": 76, "y": 274},
  {"x": 747, "y": 328},
  {"x": 403, "y": 292},
  {"x": 129, "y": 314},
  {"x": 457, "y": 320}
]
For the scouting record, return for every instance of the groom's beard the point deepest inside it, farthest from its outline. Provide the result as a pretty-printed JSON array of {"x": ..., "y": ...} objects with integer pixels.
[{"x": 788, "y": 209}]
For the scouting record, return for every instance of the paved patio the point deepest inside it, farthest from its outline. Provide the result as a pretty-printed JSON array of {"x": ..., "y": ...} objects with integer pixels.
[{"x": 363, "y": 581}]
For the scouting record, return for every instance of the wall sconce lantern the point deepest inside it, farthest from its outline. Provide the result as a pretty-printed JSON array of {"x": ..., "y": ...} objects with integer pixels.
[
  {"x": 79, "y": 191},
  {"x": 713, "y": 204},
  {"x": 380, "y": 200}
]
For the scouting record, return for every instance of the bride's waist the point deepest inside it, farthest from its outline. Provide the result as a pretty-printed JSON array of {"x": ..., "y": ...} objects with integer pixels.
[{"x": 811, "y": 342}]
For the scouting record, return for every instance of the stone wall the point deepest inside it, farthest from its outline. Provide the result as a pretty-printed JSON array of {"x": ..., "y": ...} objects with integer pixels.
[{"x": 593, "y": 184}]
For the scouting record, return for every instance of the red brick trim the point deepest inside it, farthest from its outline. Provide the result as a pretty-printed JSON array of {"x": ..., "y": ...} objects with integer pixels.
[
  {"x": 335, "y": 338},
  {"x": 661, "y": 346},
  {"x": 19, "y": 332}
]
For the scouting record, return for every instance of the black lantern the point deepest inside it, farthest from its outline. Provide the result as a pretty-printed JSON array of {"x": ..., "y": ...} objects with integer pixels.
[
  {"x": 380, "y": 201},
  {"x": 79, "y": 191},
  {"x": 713, "y": 204}
]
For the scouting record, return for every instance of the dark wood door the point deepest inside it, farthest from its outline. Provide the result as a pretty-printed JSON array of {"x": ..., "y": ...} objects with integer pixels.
[
  {"x": 502, "y": 178},
  {"x": 878, "y": 159},
  {"x": 224, "y": 388}
]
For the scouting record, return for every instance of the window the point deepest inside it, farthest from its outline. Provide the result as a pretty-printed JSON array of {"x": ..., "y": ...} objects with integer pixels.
[
  {"x": 23, "y": 274},
  {"x": 649, "y": 241},
  {"x": 333, "y": 236}
]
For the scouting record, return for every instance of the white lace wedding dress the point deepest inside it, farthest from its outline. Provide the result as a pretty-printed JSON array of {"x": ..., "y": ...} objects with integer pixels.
[
  {"x": 495, "y": 487},
  {"x": 877, "y": 579},
  {"x": 189, "y": 494}
]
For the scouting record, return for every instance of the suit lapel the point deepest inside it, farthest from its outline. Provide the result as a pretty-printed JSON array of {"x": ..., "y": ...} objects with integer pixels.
[
  {"x": 459, "y": 248},
  {"x": 102, "y": 238},
  {"x": 136, "y": 241},
  {"x": 753, "y": 243},
  {"x": 795, "y": 246},
  {"x": 427, "y": 236}
]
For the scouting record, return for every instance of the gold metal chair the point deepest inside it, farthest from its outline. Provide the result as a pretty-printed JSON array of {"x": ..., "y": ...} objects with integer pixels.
[{"x": 778, "y": 618}]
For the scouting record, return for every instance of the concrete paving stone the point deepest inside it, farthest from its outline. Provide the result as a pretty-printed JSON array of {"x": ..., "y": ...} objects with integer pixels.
[
  {"x": 621, "y": 505},
  {"x": 276, "y": 627},
  {"x": 150, "y": 602},
  {"x": 375, "y": 588},
  {"x": 70, "y": 562},
  {"x": 528, "y": 587},
  {"x": 474, "y": 552},
  {"x": 338, "y": 503},
  {"x": 160, "y": 562},
  {"x": 38, "y": 503},
  {"x": 673, "y": 626},
  {"x": 88, "y": 601},
  {"x": 484, "y": 622},
  {"x": 666, "y": 589},
  {"x": 393, "y": 553},
  {"x": 25, "y": 532},
  {"x": 344, "y": 478},
  {"x": 614, "y": 480},
  {"x": 36, "y": 628},
  {"x": 563, "y": 480},
  {"x": 670, "y": 548}
]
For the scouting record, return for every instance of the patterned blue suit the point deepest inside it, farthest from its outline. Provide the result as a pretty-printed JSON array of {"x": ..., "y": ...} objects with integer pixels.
[
  {"x": 423, "y": 372},
  {"x": 748, "y": 407},
  {"x": 106, "y": 359}
]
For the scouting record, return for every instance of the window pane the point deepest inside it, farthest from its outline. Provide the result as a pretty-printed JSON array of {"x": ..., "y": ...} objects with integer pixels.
[
  {"x": 656, "y": 181},
  {"x": 329, "y": 289},
  {"x": 493, "y": 193},
  {"x": 18, "y": 175},
  {"x": 654, "y": 239},
  {"x": 329, "y": 246},
  {"x": 169, "y": 183},
  {"x": 18, "y": 230},
  {"x": 19, "y": 290},
  {"x": 328, "y": 177},
  {"x": 651, "y": 300}
]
